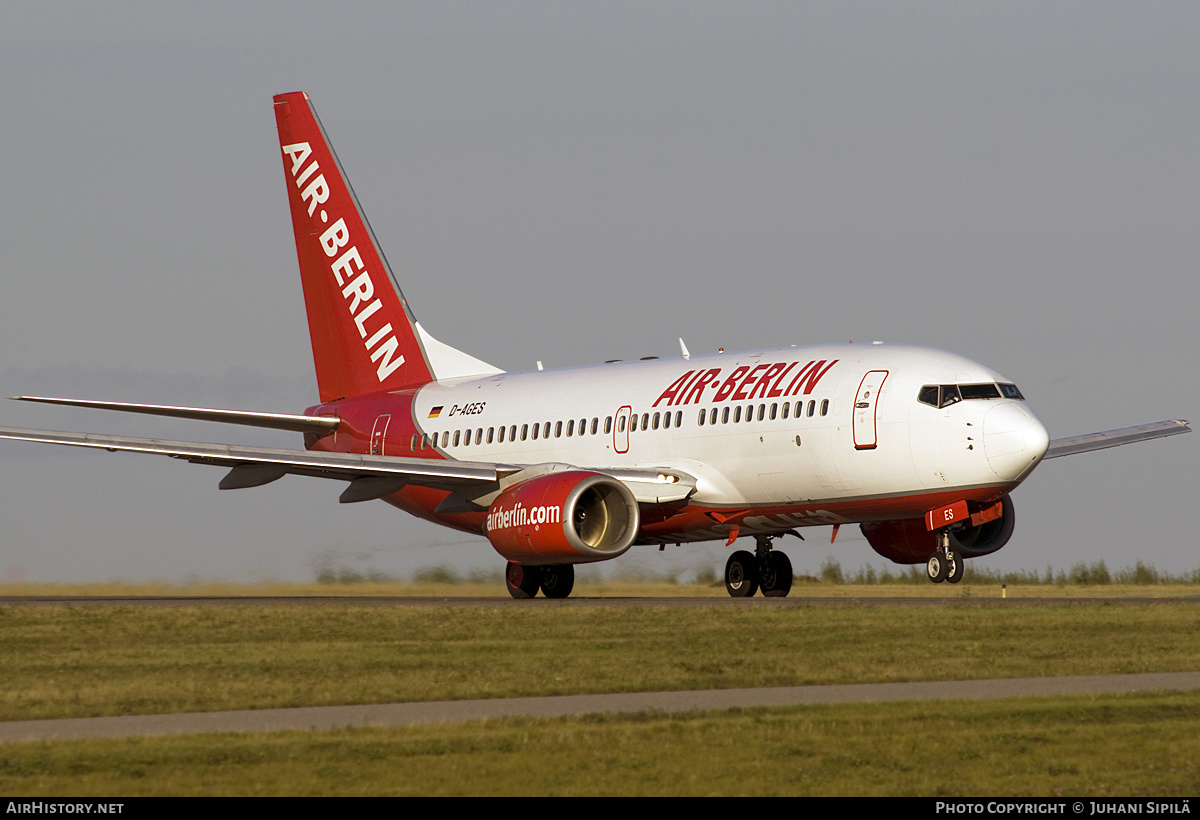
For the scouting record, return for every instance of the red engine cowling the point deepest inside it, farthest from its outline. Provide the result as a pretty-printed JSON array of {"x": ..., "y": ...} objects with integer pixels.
[
  {"x": 908, "y": 541},
  {"x": 572, "y": 517}
]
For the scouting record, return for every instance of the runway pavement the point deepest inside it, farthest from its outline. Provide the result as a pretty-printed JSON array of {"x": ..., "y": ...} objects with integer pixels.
[
  {"x": 406, "y": 714},
  {"x": 501, "y": 600}
]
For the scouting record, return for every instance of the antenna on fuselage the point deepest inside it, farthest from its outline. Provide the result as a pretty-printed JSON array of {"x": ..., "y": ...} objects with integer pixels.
[{"x": 683, "y": 348}]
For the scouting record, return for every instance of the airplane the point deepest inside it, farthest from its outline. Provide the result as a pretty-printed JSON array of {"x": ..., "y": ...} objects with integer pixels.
[{"x": 919, "y": 447}]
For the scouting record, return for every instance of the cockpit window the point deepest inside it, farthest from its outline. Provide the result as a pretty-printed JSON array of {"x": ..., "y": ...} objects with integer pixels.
[
  {"x": 950, "y": 395},
  {"x": 944, "y": 395},
  {"x": 979, "y": 391}
]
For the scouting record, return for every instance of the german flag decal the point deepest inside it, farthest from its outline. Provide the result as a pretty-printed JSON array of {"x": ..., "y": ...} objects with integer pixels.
[{"x": 435, "y": 412}]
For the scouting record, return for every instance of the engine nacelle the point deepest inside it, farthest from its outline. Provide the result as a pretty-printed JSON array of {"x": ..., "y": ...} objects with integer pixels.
[
  {"x": 572, "y": 517},
  {"x": 908, "y": 541}
]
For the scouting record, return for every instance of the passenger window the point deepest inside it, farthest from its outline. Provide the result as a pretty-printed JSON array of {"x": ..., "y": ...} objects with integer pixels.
[
  {"x": 546, "y": 430},
  {"x": 608, "y": 425},
  {"x": 558, "y": 429},
  {"x": 524, "y": 431},
  {"x": 762, "y": 412},
  {"x": 479, "y": 436},
  {"x": 537, "y": 428},
  {"x": 666, "y": 421},
  {"x": 457, "y": 436},
  {"x": 725, "y": 416},
  {"x": 787, "y": 405},
  {"x": 678, "y": 417},
  {"x": 466, "y": 438},
  {"x": 413, "y": 445},
  {"x": 812, "y": 407},
  {"x": 633, "y": 423},
  {"x": 501, "y": 437},
  {"x": 445, "y": 439},
  {"x": 737, "y": 414},
  {"x": 645, "y": 421},
  {"x": 620, "y": 424},
  {"x": 712, "y": 416},
  {"x": 700, "y": 420},
  {"x": 825, "y": 407},
  {"x": 656, "y": 421},
  {"x": 570, "y": 427}
]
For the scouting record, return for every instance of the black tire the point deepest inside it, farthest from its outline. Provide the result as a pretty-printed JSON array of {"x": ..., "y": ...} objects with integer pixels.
[
  {"x": 937, "y": 567},
  {"x": 522, "y": 581},
  {"x": 958, "y": 566},
  {"x": 557, "y": 582},
  {"x": 776, "y": 580},
  {"x": 741, "y": 575}
]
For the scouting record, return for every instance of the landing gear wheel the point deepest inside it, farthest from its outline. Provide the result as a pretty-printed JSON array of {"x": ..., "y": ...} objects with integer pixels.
[
  {"x": 741, "y": 575},
  {"x": 937, "y": 567},
  {"x": 557, "y": 582},
  {"x": 776, "y": 579},
  {"x": 957, "y": 566},
  {"x": 522, "y": 581}
]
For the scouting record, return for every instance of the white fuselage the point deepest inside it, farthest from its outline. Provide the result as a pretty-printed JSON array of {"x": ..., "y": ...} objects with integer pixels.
[{"x": 853, "y": 427}]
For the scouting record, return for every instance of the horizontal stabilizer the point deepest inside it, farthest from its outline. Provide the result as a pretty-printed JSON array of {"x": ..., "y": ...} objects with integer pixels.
[
  {"x": 321, "y": 425},
  {"x": 1115, "y": 438}
]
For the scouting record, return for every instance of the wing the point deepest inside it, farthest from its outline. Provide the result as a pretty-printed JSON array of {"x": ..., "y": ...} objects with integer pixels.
[
  {"x": 370, "y": 477},
  {"x": 1115, "y": 438},
  {"x": 319, "y": 425}
]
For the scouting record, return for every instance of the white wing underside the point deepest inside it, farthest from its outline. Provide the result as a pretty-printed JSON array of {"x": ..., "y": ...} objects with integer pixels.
[
  {"x": 1071, "y": 445},
  {"x": 370, "y": 477}
]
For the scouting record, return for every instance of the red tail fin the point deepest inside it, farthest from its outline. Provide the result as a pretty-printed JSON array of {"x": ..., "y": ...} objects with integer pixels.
[{"x": 364, "y": 339}]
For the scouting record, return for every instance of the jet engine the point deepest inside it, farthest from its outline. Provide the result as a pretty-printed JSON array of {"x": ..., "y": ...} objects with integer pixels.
[
  {"x": 907, "y": 541},
  {"x": 570, "y": 517}
]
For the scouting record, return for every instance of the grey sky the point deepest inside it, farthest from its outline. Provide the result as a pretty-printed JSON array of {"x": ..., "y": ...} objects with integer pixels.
[{"x": 1017, "y": 182}]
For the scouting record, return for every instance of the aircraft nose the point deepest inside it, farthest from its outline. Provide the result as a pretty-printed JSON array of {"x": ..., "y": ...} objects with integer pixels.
[{"x": 1014, "y": 440}]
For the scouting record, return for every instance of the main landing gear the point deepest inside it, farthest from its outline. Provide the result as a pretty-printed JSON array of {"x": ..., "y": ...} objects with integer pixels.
[
  {"x": 525, "y": 581},
  {"x": 944, "y": 564},
  {"x": 765, "y": 569}
]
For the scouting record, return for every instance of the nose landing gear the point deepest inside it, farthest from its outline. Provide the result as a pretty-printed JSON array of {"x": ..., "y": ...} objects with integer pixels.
[
  {"x": 944, "y": 564},
  {"x": 765, "y": 569}
]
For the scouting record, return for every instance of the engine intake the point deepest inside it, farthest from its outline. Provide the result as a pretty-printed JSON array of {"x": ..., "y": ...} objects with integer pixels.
[{"x": 571, "y": 517}]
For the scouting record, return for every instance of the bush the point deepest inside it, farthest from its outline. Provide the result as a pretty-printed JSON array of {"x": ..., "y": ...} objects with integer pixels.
[
  {"x": 831, "y": 572},
  {"x": 439, "y": 574}
]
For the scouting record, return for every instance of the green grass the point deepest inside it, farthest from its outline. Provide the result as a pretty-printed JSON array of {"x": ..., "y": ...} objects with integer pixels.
[
  {"x": 77, "y": 661},
  {"x": 101, "y": 659},
  {"x": 439, "y": 585},
  {"x": 1113, "y": 745}
]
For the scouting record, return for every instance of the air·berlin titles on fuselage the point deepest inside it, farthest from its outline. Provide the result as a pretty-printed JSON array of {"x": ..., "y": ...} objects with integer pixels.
[
  {"x": 744, "y": 383},
  {"x": 359, "y": 290}
]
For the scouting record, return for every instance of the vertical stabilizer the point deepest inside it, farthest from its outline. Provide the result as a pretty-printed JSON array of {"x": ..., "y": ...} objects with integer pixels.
[{"x": 363, "y": 336}]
